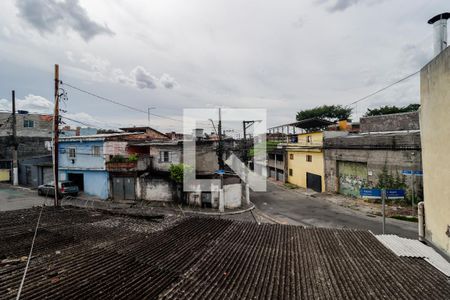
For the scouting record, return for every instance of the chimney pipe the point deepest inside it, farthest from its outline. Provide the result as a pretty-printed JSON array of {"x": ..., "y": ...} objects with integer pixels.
[{"x": 440, "y": 31}]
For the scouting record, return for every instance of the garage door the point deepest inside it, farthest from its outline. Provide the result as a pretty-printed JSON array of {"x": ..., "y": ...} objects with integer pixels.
[
  {"x": 314, "y": 182},
  {"x": 47, "y": 175},
  {"x": 352, "y": 177},
  {"x": 124, "y": 188}
]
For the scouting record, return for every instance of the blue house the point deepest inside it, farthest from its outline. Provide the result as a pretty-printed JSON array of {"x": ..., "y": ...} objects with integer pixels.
[{"x": 82, "y": 159}]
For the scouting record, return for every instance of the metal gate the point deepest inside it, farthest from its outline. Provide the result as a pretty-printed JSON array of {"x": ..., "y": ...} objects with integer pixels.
[
  {"x": 314, "y": 182},
  {"x": 352, "y": 177},
  {"x": 47, "y": 175},
  {"x": 124, "y": 188},
  {"x": 28, "y": 176}
]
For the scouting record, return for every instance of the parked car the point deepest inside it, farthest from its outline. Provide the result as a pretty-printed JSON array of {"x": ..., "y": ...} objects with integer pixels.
[{"x": 66, "y": 188}]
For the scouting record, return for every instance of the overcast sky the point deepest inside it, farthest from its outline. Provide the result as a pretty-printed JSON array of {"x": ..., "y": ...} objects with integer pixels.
[{"x": 281, "y": 55}]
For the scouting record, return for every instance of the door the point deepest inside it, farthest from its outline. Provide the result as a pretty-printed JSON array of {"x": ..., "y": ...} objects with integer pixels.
[
  {"x": 28, "y": 177},
  {"x": 124, "y": 188},
  {"x": 118, "y": 192},
  {"x": 128, "y": 187},
  {"x": 77, "y": 179},
  {"x": 206, "y": 199},
  {"x": 314, "y": 182},
  {"x": 352, "y": 177}
]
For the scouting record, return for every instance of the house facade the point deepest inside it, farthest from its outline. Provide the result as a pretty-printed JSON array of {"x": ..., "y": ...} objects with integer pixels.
[
  {"x": 83, "y": 160},
  {"x": 33, "y": 137},
  {"x": 435, "y": 132},
  {"x": 386, "y": 148}
]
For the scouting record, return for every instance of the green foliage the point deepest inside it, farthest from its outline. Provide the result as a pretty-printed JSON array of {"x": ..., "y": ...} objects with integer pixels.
[
  {"x": 177, "y": 172},
  {"x": 118, "y": 159},
  {"x": 388, "y": 181},
  {"x": 329, "y": 112},
  {"x": 267, "y": 146},
  {"x": 133, "y": 158},
  {"x": 387, "y": 110}
]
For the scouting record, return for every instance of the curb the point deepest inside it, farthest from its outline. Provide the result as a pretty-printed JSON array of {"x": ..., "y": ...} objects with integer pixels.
[{"x": 106, "y": 205}]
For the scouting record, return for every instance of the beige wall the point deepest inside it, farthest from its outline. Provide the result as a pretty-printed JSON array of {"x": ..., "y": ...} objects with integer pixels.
[
  {"x": 435, "y": 135},
  {"x": 297, "y": 162}
]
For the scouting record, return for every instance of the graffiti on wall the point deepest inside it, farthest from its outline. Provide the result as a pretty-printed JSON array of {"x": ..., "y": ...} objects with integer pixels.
[{"x": 352, "y": 177}]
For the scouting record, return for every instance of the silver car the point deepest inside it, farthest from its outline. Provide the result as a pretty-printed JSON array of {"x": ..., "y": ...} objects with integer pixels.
[{"x": 66, "y": 188}]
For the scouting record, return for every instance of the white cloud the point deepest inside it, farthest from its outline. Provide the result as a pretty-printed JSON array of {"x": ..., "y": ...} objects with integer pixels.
[
  {"x": 168, "y": 81},
  {"x": 139, "y": 77},
  {"x": 31, "y": 103}
]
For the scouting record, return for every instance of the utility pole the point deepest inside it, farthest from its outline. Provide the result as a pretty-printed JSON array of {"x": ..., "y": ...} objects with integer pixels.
[
  {"x": 383, "y": 209},
  {"x": 56, "y": 135},
  {"x": 15, "y": 168},
  {"x": 245, "y": 126},
  {"x": 220, "y": 150},
  {"x": 221, "y": 163}
]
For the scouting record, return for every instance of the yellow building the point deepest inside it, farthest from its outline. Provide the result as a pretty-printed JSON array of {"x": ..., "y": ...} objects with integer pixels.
[
  {"x": 435, "y": 137},
  {"x": 305, "y": 161}
]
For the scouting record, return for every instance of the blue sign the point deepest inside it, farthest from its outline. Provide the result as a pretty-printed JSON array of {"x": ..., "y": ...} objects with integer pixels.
[
  {"x": 412, "y": 172},
  {"x": 370, "y": 193},
  {"x": 395, "y": 194},
  {"x": 376, "y": 193},
  {"x": 220, "y": 172}
]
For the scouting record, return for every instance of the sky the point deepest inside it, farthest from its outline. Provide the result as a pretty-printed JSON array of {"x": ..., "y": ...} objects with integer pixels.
[{"x": 283, "y": 56}]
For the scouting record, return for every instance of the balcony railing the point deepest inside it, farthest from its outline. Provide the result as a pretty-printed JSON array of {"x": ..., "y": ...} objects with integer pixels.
[{"x": 142, "y": 164}]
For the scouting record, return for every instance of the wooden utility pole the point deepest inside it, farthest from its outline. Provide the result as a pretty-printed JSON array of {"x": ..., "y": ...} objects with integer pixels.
[
  {"x": 220, "y": 150},
  {"x": 245, "y": 126},
  {"x": 56, "y": 134},
  {"x": 15, "y": 169}
]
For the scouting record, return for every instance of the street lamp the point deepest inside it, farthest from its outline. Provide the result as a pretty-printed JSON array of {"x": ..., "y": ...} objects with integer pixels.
[{"x": 148, "y": 114}]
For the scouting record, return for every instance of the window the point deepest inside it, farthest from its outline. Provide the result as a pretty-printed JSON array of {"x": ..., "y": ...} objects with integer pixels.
[
  {"x": 291, "y": 172},
  {"x": 309, "y": 158},
  {"x": 96, "y": 150},
  {"x": 72, "y": 153},
  {"x": 164, "y": 156},
  {"x": 28, "y": 123},
  {"x": 291, "y": 156},
  {"x": 309, "y": 139}
]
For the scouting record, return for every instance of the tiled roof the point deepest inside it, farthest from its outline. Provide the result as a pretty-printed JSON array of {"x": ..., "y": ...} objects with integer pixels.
[{"x": 82, "y": 254}]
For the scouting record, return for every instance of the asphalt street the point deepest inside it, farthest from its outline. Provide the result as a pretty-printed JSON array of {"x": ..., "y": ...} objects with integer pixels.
[{"x": 292, "y": 207}]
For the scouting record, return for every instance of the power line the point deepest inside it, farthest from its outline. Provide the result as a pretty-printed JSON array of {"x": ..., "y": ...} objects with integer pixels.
[
  {"x": 80, "y": 122},
  {"x": 118, "y": 103},
  {"x": 384, "y": 88}
]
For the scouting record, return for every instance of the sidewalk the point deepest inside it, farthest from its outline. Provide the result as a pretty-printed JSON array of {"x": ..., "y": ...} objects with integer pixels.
[{"x": 363, "y": 205}]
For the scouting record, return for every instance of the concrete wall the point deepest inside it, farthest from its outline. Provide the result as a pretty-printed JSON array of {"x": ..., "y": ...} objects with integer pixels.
[
  {"x": 395, "y": 161},
  {"x": 206, "y": 157},
  {"x": 154, "y": 189},
  {"x": 96, "y": 183},
  {"x": 392, "y": 122},
  {"x": 435, "y": 131},
  {"x": 175, "y": 155},
  {"x": 232, "y": 194},
  {"x": 27, "y": 147},
  {"x": 42, "y": 125}
]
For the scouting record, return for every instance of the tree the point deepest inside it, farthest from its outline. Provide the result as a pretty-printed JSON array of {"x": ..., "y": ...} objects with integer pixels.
[
  {"x": 329, "y": 112},
  {"x": 387, "y": 110}
]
